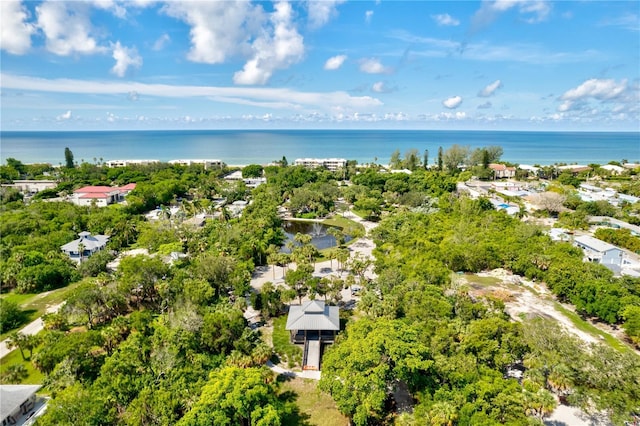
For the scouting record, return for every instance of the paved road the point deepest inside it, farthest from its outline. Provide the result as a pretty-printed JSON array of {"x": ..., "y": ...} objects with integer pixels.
[{"x": 34, "y": 327}]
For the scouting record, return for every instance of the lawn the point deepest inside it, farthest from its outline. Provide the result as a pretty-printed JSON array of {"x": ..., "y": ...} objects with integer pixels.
[
  {"x": 348, "y": 226},
  {"x": 37, "y": 304},
  {"x": 316, "y": 407},
  {"x": 289, "y": 354},
  {"x": 591, "y": 329},
  {"x": 35, "y": 377}
]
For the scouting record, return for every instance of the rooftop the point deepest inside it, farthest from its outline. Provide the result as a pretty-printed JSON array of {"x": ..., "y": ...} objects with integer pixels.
[
  {"x": 594, "y": 244},
  {"x": 11, "y": 396},
  {"x": 313, "y": 315}
]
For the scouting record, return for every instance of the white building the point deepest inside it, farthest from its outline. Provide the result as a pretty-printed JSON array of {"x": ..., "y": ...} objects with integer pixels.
[
  {"x": 332, "y": 164},
  {"x": 101, "y": 196},
  {"x": 19, "y": 404},
  {"x": 31, "y": 186},
  {"x": 207, "y": 163},
  {"x": 85, "y": 246},
  {"x": 598, "y": 251},
  {"x": 125, "y": 163}
]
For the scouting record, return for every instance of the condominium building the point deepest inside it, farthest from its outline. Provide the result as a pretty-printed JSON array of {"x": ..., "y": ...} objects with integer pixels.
[
  {"x": 207, "y": 163},
  {"x": 332, "y": 164}
]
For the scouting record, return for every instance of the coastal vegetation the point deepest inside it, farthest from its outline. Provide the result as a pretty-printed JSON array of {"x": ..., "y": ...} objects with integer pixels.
[{"x": 163, "y": 339}]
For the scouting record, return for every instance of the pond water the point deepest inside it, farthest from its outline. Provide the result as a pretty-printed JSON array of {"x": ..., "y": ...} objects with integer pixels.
[{"x": 319, "y": 237}]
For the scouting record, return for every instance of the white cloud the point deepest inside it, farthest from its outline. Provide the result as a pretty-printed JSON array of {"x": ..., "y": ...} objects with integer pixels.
[
  {"x": 382, "y": 87},
  {"x": 373, "y": 66},
  {"x": 67, "y": 28},
  {"x": 64, "y": 116},
  {"x": 125, "y": 57},
  {"x": 335, "y": 62},
  {"x": 219, "y": 29},
  {"x": 452, "y": 102},
  {"x": 270, "y": 53},
  {"x": 604, "y": 99},
  {"x": 15, "y": 34},
  {"x": 161, "y": 42},
  {"x": 319, "y": 13},
  {"x": 115, "y": 8},
  {"x": 224, "y": 29},
  {"x": 368, "y": 15},
  {"x": 320, "y": 100},
  {"x": 628, "y": 21},
  {"x": 600, "y": 89},
  {"x": 534, "y": 11},
  {"x": 445, "y": 20},
  {"x": 490, "y": 89}
]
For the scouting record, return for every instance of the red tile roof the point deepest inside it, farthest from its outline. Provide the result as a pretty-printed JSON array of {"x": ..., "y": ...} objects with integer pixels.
[{"x": 128, "y": 187}]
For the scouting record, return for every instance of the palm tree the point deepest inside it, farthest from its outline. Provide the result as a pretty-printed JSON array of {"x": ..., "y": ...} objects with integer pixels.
[
  {"x": 442, "y": 414},
  {"x": 15, "y": 373},
  {"x": 16, "y": 340},
  {"x": 81, "y": 248}
]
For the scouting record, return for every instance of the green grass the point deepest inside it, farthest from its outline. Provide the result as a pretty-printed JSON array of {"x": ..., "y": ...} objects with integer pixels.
[
  {"x": 34, "y": 377},
  {"x": 18, "y": 298},
  {"x": 288, "y": 353},
  {"x": 587, "y": 327},
  {"x": 316, "y": 407},
  {"x": 348, "y": 226},
  {"x": 37, "y": 304},
  {"x": 483, "y": 281}
]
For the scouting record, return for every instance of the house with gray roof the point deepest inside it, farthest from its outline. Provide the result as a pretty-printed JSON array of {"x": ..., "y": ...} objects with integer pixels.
[
  {"x": 85, "y": 246},
  {"x": 18, "y": 404},
  {"x": 313, "y": 323},
  {"x": 599, "y": 251}
]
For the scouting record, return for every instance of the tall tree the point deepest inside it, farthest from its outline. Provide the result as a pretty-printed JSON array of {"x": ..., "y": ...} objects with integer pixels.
[
  {"x": 68, "y": 158},
  {"x": 440, "y": 159},
  {"x": 238, "y": 396},
  {"x": 425, "y": 159}
]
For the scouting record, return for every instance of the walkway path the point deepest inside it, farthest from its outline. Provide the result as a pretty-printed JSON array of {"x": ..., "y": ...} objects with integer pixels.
[{"x": 34, "y": 327}]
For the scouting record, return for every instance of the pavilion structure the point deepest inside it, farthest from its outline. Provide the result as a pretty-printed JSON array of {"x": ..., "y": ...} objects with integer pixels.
[{"x": 313, "y": 324}]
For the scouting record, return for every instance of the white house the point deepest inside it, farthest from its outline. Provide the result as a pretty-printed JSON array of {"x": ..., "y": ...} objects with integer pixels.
[
  {"x": 598, "y": 251},
  {"x": 18, "y": 403},
  {"x": 87, "y": 243},
  {"x": 31, "y": 186},
  {"x": 101, "y": 196}
]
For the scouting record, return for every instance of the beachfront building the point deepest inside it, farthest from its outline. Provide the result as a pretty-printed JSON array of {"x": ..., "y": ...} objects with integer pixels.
[
  {"x": 85, "y": 246},
  {"x": 101, "y": 196},
  {"x": 332, "y": 164},
  {"x": 19, "y": 404},
  {"x": 313, "y": 324},
  {"x": 501, "y": 171},
  {"x": 598, "y": 251},
  {"x": 126, "y": 163},
  {"x": 208, "y": 164}
]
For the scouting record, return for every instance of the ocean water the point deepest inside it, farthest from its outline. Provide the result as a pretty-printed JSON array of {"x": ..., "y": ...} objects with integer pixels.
[{"x": 263, "y": 146}]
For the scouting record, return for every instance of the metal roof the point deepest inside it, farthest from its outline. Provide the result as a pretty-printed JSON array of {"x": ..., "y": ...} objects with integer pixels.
[
  {"x": 313, "y": 315},
  {"x": 90, "y": 242},
  {"x": 594, "y": 244},
  {"x": 11, "y": 396}
]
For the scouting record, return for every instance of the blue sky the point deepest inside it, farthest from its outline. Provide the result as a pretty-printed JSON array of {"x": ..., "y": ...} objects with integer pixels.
[{"x": 506, "y": 64}]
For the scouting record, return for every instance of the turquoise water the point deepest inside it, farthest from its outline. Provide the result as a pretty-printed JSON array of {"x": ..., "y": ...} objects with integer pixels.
[{"x": 256, "y": 146}]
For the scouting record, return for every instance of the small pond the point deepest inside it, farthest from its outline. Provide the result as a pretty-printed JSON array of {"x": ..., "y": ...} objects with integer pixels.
[{"x": 319, "y": 237}]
